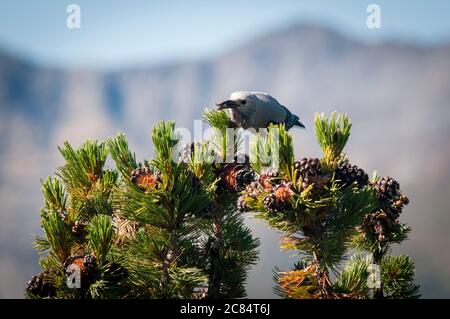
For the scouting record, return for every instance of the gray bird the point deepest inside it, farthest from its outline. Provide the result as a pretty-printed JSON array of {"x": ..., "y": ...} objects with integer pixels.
[{"x": 258, "y": 110}]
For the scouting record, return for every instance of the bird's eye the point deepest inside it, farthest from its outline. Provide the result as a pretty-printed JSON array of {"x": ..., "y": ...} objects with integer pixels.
[{"x": 243, "y": 102}]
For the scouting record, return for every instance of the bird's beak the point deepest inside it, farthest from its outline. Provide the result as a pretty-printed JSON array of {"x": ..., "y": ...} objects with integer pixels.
[{"x": 228, "y": 104}]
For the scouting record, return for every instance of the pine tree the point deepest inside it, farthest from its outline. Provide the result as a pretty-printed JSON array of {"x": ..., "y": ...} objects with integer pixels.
[
  {"x": 173, "y": 226},
  {"x": 141, "y": 230},
  {"x": 329, "y": 209}
]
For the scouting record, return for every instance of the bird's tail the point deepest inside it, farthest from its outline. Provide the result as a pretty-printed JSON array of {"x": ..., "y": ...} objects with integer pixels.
[
  {"x": 299, "y": 124},
  {"x": 295, "y": 121}
]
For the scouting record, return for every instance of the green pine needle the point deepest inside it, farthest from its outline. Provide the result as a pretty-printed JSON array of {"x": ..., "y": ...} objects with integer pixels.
[
  {"x": 332, "y": 134},
  {"x": 226, "y": 140},
  {"x": 121, "y": 154},
  {"x": 100, "y": 236}
]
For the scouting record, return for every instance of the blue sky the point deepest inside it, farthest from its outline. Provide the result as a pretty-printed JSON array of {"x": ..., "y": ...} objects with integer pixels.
[{"x": 117, "y": 33}]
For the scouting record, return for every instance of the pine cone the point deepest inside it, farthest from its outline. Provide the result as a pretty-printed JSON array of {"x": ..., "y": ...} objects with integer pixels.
[
  {"x": 79, "y": 227},
  {"x": 386, "y": 189},
  {"x": 269, "y": 179},
  {"x": 378, "y": 224},
  {"x": 242, "y": 205},
  {"x": 244, "y": 177},
  {"x": 309, "y": 172},
  {"x": 279, "y": 198},
  {"x": 63, "y": 214},
  {"x": 348, "y": 174},
  {"x": 145, "y": 178},
  {"x": 397, "y": 205},
  {"x": 381, "y": 222},
  {"x": 392, "y": 201},
  {"x": 90, "y": 264},
  {"x": 40, "y": 286},
  {"x": 308, "y": 167},
  {"x": 235, "y": 177},
  {"x": 270, "y": 203},
  {"x": 253, "y": 189},
  {"x": 88, "y": 268},
  {"x": 283, "y": 192},
  {"x": 115, "y": 272}
]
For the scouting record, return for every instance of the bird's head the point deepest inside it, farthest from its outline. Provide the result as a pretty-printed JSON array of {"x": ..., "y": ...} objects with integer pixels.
[{"x": 240, "y": 101}]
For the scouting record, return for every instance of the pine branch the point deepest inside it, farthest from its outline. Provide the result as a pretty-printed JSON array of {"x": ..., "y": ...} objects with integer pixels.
[
  {"x": 332, "y": 135},
  {"x": 297, "y": 283},
  {"x": 226, "y": 140},
  {"x": 165, "y": 139},
  {"x": 273, "y": 149},
  {"x": 100, "y": 236},
  {"x": 121, "y": 154},
  {"x": 54, "y": 194},
  {"x": 397, "y": 276},
  {"x": 348, "y": 208},
  {"x": 352, "y": 280},
  {"x": 201, "y": 159},
  {"x": 260, "y": 153},
  {"x": 229, "y": 249},
  {"x": 57, "y": 234},
  {"x": 83, "y": 166}
]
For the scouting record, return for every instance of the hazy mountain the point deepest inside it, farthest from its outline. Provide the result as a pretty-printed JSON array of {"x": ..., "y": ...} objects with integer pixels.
[{"x": 396, "y": 95}]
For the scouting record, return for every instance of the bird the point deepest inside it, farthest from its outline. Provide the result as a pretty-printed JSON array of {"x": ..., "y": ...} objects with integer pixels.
[{"x": 258, "y": 110}]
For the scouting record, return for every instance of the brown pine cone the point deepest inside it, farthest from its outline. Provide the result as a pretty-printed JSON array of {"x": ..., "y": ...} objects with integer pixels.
[
  {"x": 115, "y": 272},
  {"x": 79, "y": 227},
  {"x": 279, "y": 199},
  {"x": 309, "y": 172},
  {"x": 145, "y": 178},
  {"x": 253, "y": 189},
  {"x": 283, "y": 192},
  {"x": 269, "y": 179},
  {"x": 346, "y": 175},
  {"x": 386, "y": 189},
  {"x": 87, "y": 264},
  {"x": 378, "y": 224},
  {"x": 40, "y": 286},
  {"x": 241, "y": 205},
  {"x": 270, "y": 203},
  {"x": 308, "y": 168},
  {"x": 235, "y": 177}
]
